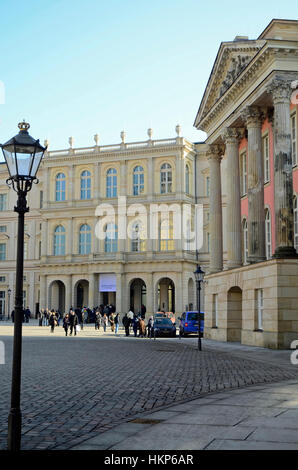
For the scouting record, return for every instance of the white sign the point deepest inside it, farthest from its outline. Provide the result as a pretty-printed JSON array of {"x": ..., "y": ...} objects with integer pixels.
[{"x": 107, "y": 283}]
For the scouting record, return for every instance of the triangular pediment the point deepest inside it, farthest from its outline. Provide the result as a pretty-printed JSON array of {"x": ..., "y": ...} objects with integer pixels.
[{"x": 231, "y": 60}]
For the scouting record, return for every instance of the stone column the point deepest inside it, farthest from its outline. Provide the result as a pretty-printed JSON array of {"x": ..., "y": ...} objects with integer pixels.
[
  {"x": 214, "y": 156},
  {"x": 283, "y": 176},
  {"x": 234, "y": 250},
  {"x": 252, "y": 117},
  {"x": 43, "y": 292}
]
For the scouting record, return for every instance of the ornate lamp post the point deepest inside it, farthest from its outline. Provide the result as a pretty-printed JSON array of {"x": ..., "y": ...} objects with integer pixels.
[
  {"x": 9, "y": 293},
  {"x": 23, "y": 155},
  {"x": 199, "y": 277}
]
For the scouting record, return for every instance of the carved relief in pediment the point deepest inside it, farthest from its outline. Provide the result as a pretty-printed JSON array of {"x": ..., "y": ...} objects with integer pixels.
[{"x": 236, "y": 66}]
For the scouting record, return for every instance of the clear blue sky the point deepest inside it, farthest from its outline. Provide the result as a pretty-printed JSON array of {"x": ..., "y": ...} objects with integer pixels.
[{"x": 80, "y": 67}]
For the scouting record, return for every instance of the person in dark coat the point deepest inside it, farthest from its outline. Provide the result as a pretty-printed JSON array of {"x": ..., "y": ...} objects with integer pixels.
[
  {"x": 135, "y": 325},
  {"x": 117, "y": 320},
  {"x": 126, "y": 324},
  {"x": 53, "y": 321},
  {"x": 73, "y": 322},
  {"x": 97, "y": 320},
  {"x": 143, "y": 311},
  {"x": 66, "y": 323}
]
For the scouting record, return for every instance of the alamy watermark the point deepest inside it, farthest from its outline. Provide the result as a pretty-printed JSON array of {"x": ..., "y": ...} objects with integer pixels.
[{"x": 151, "y": 222}]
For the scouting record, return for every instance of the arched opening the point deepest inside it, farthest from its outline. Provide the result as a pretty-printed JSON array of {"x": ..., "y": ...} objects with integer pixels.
[
  {"x": 82, "y": 294},
  {"x": 138, "y": 294},
  {"x": 57, "y": 296},
  {"x": 234, "y": 314},
  {"x": 166, "y": 295}
]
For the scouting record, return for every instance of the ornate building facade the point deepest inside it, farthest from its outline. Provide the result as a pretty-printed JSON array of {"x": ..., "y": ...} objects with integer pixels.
[
  {"x": 249, "y": 112},
  {"x": 68, "y": 264}
]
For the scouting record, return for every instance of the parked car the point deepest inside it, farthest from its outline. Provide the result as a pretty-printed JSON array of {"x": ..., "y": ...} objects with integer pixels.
[
  {"x": 164, "y": 327},
  {"x": 189, "y": 323}
]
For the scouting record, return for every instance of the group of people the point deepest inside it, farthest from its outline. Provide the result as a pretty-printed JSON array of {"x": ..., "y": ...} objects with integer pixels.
[{"x": 137, "y": 322}]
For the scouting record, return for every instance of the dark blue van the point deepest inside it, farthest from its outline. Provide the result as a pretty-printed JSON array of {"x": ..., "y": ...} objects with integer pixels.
[{"x": 189, "y": 323}]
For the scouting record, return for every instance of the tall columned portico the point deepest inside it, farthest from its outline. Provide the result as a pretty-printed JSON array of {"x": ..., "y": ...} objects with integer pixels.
[
  {"x": 214, "y": 156},
  {"x": 234, "y": 254},
  {"x": 252, "y": 117},
  {"x": 283, "y": 177}
]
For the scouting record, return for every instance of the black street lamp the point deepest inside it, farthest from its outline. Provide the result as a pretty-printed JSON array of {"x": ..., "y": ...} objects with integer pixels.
[
  {"x": 199, "y": 277},
  {"x": 9, "y": 293},
  {"x": 23, "y": 155}
]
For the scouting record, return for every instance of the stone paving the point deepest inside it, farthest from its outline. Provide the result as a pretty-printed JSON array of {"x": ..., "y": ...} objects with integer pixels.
[{"x": 75, "y": 389}]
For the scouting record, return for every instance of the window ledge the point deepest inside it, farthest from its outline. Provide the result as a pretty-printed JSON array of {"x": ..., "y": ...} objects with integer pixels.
[{"x": 258, "y": 330}]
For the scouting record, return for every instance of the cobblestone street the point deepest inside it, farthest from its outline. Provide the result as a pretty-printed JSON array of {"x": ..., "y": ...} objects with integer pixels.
[{"x": 75, "y": 388}]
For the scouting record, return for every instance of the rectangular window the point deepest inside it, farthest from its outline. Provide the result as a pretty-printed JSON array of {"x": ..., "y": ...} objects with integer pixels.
[
  {"x": 215, "y": 310},
  {"x": 2, "y": 251},
  {"x": 3, "y": 228},
  {"x": 2, "y": 278},
  {"x": 39, "y": 250},
  {"x": 260, "y": 308},
  {"x": 208, "y": 242},
  {"x": 2, "y": 303},
  {"x": 41, "y": 199},
  {"x": 25, "y": 250},
  {"x": 294, "y": 139},
  {"x": 243, "y": 166},
  {"x": 24, "y": 298},
  {"x": 265, "y": 145},
  {"x": 3, "y": 202}
]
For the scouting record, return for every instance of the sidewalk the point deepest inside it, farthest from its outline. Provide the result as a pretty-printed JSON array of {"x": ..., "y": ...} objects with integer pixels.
[{"x": 259, "y": 417}]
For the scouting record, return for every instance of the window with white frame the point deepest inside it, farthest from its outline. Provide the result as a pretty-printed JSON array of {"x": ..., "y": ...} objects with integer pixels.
[
  {"x": 215, "y": 310},
  {"x": 245, "y": 241},
  {"x": 60, "y": 187},
  {"x": 59, "y": 241},
  {"x": 3, "y": 228},
  {"x": 111, "y": 183},
  {"x": 294, "y": 138},
  {"x": 2, "y": 251},
  {"x": 137, "y": 237},
  {"x": 268, "y": 234},
  {"x": 138, "y": 180},
  {"x": 166, "y": 240},
  {"x": 85, "y": 185},
  {"x": 207, "y": 186},
  {"x": 3, "y": 202},
  {"x": 2, "y": 302},
  {"x": 166, "y": 178},
  {"x": 208, "y": 242},
  {"x": 295, "y": 207},
  {"x": 243, "y": 166},
  {"x": 85, "y": 239},
  {"x": 2, "y": 278},
  {"x": 111, "y": 238},
  {"x": 265, "y": 146},
  {"x": 260, "y": 308}
]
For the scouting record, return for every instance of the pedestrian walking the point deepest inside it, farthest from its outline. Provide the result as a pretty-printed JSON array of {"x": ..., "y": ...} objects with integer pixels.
[
  {"x": 126, "y": 324},
  {"x": 53, "y": 321},
  {"x": 135, "y": 325},
  {"x": 105, "y": 322},
  {"x": 112, "y": 322},
  {"x": 27, "y": 314},
  {"x": 66, "y": 323},
  {"x": 97, "y": 320},
  {"x": 73, "y": 322},
  {"x": 150, "y": 327},
  {"x": 117, "y": 320},
  {"x": 142, "y": 328}
]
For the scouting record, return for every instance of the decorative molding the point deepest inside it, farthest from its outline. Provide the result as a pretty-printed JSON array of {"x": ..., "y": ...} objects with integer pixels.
[
  {"x": 280, "y": 90},
  {"x": 232, "y": 135},
  {"x": 252, "y": 116}
]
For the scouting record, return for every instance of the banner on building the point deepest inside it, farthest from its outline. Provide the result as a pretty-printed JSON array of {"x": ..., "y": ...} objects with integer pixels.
[{"x": 107, "y": 283}]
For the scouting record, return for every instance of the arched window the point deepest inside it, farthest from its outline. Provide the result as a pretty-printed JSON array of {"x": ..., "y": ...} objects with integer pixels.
[
  {"x": 111, "y": 190},
  {"x": 187, "y": 179},
  {"x": 166, "y": 178},
  {"x": 268, "y": 234},
  {"x": 85, "y": 240},
  {"x": 166, "y": 238},
  {"x": 60, "y": 187},
  {"x": 86, "y": 185},
  {"x": 59, "y": 241},
  {"x": 295, "y": 207},
  {"x": 137, "y": 237},
  {"x": 245, "y": 241},
  {"x": 111, "y": 238},
  {"x": 138, "y": 180}
]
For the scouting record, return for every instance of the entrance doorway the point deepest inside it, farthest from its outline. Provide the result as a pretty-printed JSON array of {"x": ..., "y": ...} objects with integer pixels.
[
  {"x": 166, "y": 295},
  {"x": 138, "y": 294}
]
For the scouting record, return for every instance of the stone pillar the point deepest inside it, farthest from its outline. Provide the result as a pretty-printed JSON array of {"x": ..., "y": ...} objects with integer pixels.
[
  {"x": 214, "y": 156},
  {"x": 283, "y": 176},
  {"x": 68, "y": 293},
  {"x": 119, "y": 298},
  {"x": 149, "y": 295},
  {"x": 234, "y": 250},
  {"x": 252, "y": 117},
  {"x": 43, "y": 292}
]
